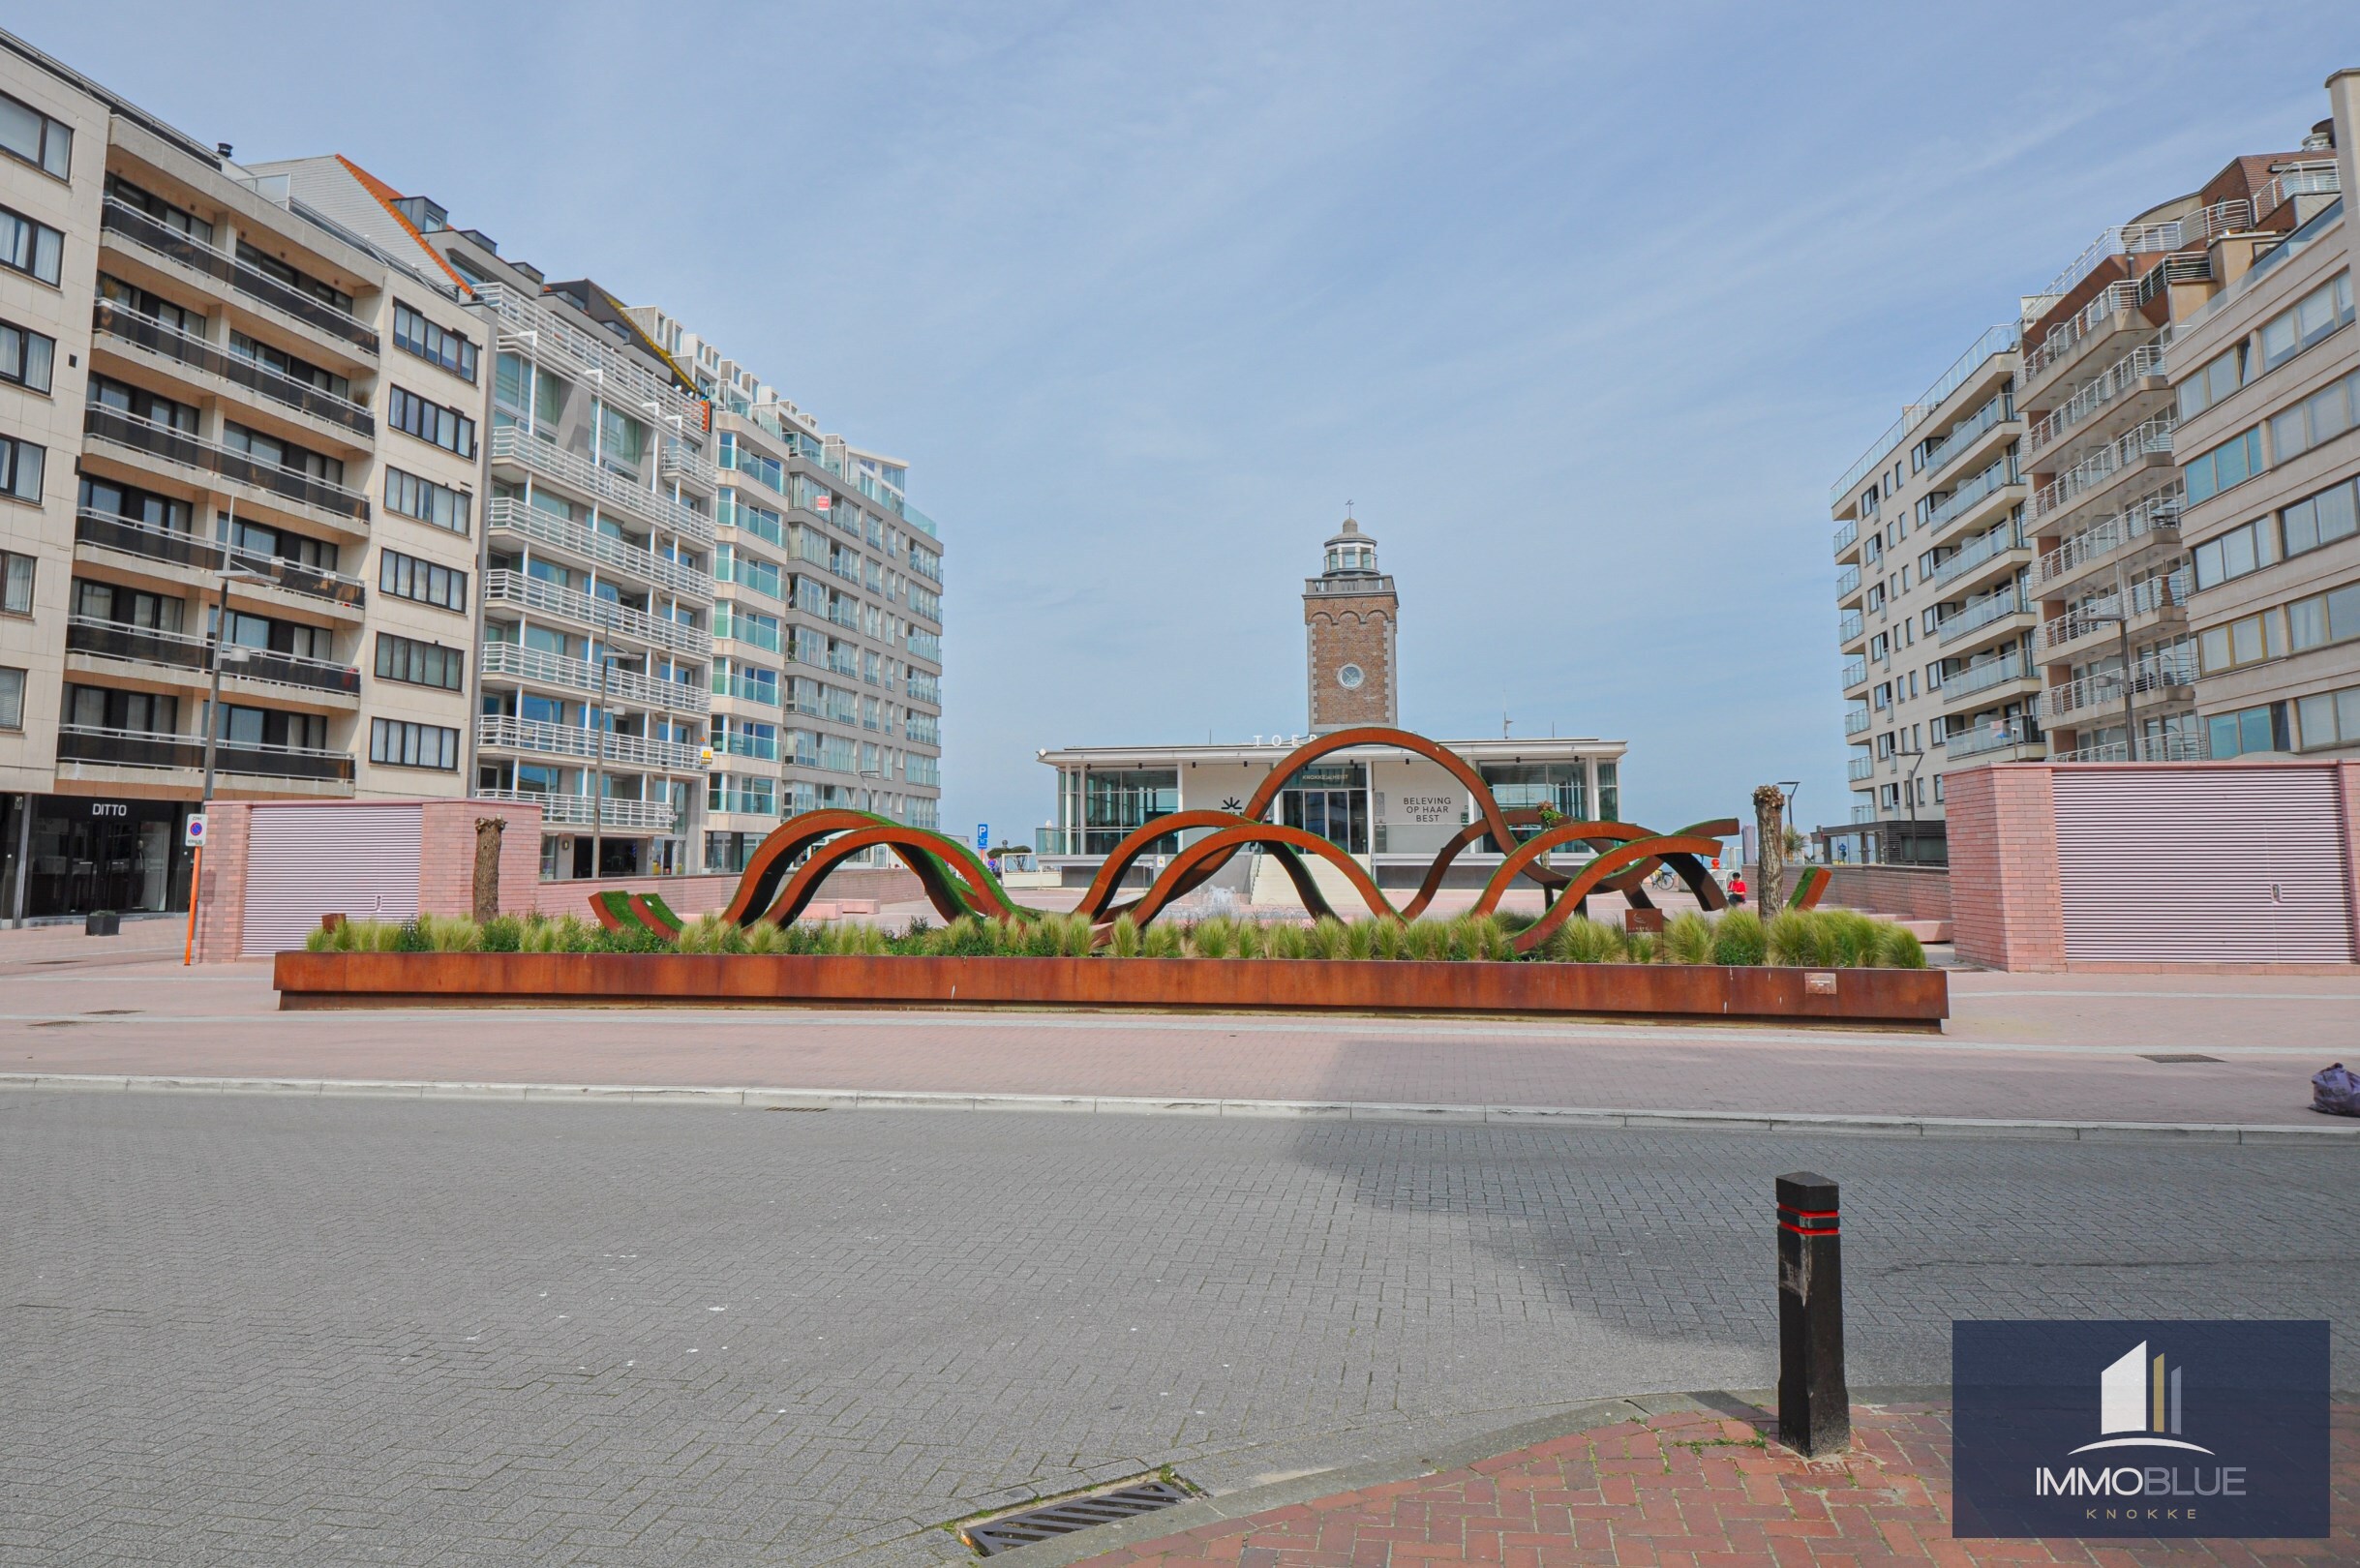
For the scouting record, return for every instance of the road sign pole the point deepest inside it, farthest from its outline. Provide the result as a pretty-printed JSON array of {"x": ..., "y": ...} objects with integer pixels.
[{"x": 197, "y": 872}]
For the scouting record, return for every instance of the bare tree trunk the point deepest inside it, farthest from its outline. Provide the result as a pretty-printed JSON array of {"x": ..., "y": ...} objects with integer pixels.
[
  {"x": 1770, "y": 838},
  {"x": 486, "y": 866}
]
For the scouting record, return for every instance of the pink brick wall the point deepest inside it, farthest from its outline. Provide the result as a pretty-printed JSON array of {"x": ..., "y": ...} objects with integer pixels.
[
  {"x": 221, "y": 890},
  {"x": 446, "y": 865},
  {"x": 2006, "y": 909},
  {"x": 1909, "y": 892},
  {"x": 694, "y": 895}
]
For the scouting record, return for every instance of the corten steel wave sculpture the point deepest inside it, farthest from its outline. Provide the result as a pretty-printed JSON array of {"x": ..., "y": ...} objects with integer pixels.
[
  {"x": 1810, "y": 887},
  {"x": 776, "y": 887}
]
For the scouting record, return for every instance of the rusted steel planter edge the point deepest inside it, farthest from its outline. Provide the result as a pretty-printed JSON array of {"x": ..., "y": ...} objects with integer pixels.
[{"x": 327, "y": 979}]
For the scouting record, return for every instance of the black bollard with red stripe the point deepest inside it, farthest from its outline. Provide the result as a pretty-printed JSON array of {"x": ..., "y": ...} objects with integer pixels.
[{"x": 1814, "y": 1405}]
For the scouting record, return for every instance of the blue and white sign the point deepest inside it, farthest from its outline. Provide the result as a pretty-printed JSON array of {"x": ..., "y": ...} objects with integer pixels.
[
  {"x": 982, "y": 835},
  {"x": 194, "y": 833}
]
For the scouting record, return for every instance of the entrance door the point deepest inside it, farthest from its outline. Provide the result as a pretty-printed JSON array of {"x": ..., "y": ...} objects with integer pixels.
[{"x": 1339, "y": 816}]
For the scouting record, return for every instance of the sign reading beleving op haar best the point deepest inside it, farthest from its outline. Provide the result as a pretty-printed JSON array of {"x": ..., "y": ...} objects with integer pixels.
[{"x": 2139, "y": 1428}]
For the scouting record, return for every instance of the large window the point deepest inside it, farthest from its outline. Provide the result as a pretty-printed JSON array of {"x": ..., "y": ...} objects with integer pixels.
[
  {"x": 269, "y": 449},
  {"x": 2222, "y": 375},
  {"x": 1526, "y": 786},
  {"x": 399, "y": 744},
  {"x": 20, "y": 468},
  {"x": 2306, "y": 321},
  {"x": 2246, "y": 547},
  {"x": 736, "y": 454},
  {"x": 731, "y": 620},
  {"x": 426, "y": 502},
  {"x": 420, "y": 664},
  {"x": 2321, "y": 618},
  {"x": 446, "y": 427},
  {"x": 28, "y": 133},
  {"x": 405, "y": 577},
  {"x": 12, "y": 699},
  {"x": 732, "y": 566},
  {"x": 2247, "y": 639},
  {"x": 26, "y": 356},
  {"x": 2233, "y": 463},
  {"x": 2331, "y": 718},
  {"x": 432, "y": 341},
  {"x": 2320, "y": 417},
  {"x": 2322, "y": 519},
  {"x": 295, "y": 277},
  {"x": 27, "y": 247},
  {"x": 139, "y": 402},
  {"x": 2261, "y": 728},
  {"x": 16, "y": 584}
]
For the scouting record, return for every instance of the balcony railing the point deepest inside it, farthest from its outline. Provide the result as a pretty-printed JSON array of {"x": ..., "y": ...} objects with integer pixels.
[
  {"x": 1993, "y": 734},
  {"x": 1846, "y": 580},
  {"x": 2063, "y": 338},
  {"x": 1984, "y": 677},
  {"x": 575, "y": 810},
  {"x": 2099, "y": 613},
  {"x": 184, "y": 450},
  {"x": 1980, "y": 614},
  {"x": 1965, "y": 433},
  {"x": 1847, "y": 536},
  {"x": 105, "y": 531},
  {"x": 1855, "y": 672},
  {"x": 2151, "y": 748},
  {"x": 2146, "y": 360},
  {"x": 1974, "y": 492},
  {"x": 1855, "y": 720},
  {"x": 506, "y": 514},
  {"x": 1989, "y": 547},
  {"x": 528, "y": 327},
  {"x": 2106, "y": 689},
  {"x": 679, "y": 463},
  {"x": 515, "y": 587},
  {"x": 2151, "y": 438},
  {"x": 140, "y": 749},
  {"x": 1999, "y": 340},
  {"x": 2141, "y": 239},
  {"x": 142, "y": 644},
  {"x": 2315, "y": 177},
  {"x": 573, "y": 740},
  {"x": 1849, "y": 627},
  {"x": 2157, "y": 516},
  {"x": 173, "y": 344},
  {"x": 517, "y": 662},
  {"x": 1860, "y": 768},
  {"x": 139, "y": 229},
  {"x": 512, "y": 443}
]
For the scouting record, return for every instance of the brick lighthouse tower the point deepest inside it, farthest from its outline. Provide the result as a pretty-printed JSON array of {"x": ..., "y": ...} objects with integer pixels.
[{"x": 1348, "y": 614}]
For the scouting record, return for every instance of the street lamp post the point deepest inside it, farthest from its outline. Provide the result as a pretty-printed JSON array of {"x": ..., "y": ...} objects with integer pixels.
[
  {"x": 220, "y": 652},
  {"x": 606, "y": 668}
]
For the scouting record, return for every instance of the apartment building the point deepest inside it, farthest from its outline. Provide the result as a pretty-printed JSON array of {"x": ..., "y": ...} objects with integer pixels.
[
  {"x": 2267, "y": 386},
  {"x": 219, "y": 418},
  {"x": 828, "y": 622},
  {"x": 2036, "y": 495}
]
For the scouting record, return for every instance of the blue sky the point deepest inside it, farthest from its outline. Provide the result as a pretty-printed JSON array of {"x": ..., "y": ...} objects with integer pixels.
[{"x": 1583, "y": 308}]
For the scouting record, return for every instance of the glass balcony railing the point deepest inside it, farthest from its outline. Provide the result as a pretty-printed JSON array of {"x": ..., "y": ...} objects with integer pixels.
[
  {"x": 1848, "y": 627},
  {"x": 121, "y": 218}
]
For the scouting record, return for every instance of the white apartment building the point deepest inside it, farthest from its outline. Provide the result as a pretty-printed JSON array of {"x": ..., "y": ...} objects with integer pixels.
[
  {"x": 213, "y": 397},
  {"x": 2012, "y": 579}
]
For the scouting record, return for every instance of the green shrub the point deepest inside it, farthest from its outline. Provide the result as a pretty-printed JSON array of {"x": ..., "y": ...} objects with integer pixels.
[
  {"x": 410, "y": 937},
  {"x": 1851, "y": 938},
  {"x": 1582, "y": 940},
  {"x": 1793, "y": 937},
  {"x": 629, "y": 938},
  {"x": 1688, "y": 939},
  {"x": 1360, "y": 940},
  {"x": 1898, "y": 947},
  {"x": 1327, "y": 938},
  {"x": 1288, "y": 940},
  {"x": 1736, "y": 938},
  {"x": 765, "y": 936},
  {"x": 1392, "y": 938},
  {"x": 1076, "y": 937},
  {"x": 918, "y": 930},
  {"x": 1123, "y": 941},
  {"x": 1216, "y": 938},
  {"x": 1642, "y": 948},
  {"x": 1162, "y": 941},
  {"x": 1427, "y": 941},
  {"x": 1252, "y": 940},
  {"x": 504, "y": 933}
]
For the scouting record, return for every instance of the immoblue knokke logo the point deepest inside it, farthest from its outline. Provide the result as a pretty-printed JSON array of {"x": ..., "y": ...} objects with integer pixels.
[{"x": 2207, "y": 1429}]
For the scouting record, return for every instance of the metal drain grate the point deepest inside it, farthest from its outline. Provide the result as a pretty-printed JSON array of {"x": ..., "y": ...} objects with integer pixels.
[
  {"x": 2181, "y": 1056},
  {"x": 1013, "y": 1530}
]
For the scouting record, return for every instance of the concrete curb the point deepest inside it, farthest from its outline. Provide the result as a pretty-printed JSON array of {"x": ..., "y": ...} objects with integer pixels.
[
  {"x": 1181, "y": 1518},
  {"x": 1560, "y": 1116}
]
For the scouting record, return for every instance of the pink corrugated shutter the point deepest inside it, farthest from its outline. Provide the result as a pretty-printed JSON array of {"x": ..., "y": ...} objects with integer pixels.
[
  {"x": 2167, "y": 865},
  {"x": 304, "y": 862}
]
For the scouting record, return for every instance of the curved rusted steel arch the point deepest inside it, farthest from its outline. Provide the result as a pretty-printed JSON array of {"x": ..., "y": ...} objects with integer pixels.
[
  {"x": 1660, "y": 847},
  {"x": 1810, "y": 887},
  {"x": 1229, "y": 840},
  {"x": 1119, "y": 860},
  {"x": 1692, "y": 870},
  {"x": 916, "y": 848},
  {"x": 768, "y": 866},
  {"x": 1614, "y": 834},
  {"x": 954, "y": 881}
]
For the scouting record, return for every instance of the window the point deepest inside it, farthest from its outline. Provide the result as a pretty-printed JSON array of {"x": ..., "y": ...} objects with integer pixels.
[
  {"x": 25, "y": 355},
  {"x": 34, "y": 249},
  {"x": 736, "y": 454},
  {"x": 731, "y": 566},
  {"x": 139, "y": 402},
  {"x": 302, "y": 282},
  {"x": 405, "y": 577},
  {"x": 21, "y": 467},
  {"x": 734, "y": 511},
  {"x": 12, "y": 699},
  {"x": 733, "y": 620},
  {"x": 2320, "y": 417},
  {"x": 2322, "y": 519},
  {"x": 2331, "y": 718},
  {"x": 426, "y": 502},
  {"x": 279, "y": 454},
  {"x": 2247, "y": 639},
  {"x": 2220, "y": 375},
  {"x": 432, "y": 343},
  {"x": 176, "y": 219},
  {"x": 16, "y": 584},
  {"x": 278, "y": 360},
  {"x": 2246, "y": 548},
  {"x": 399, "y": 744},
  {"x": 446, "y": 427},
  {"x": 32, "y": 135},
  {"x": 420, "y": 664},
  {"x": 2249, "y": 729},
  {"x": 2233, "y": 463},
  {"x": 2332, "y": 616},
  {"x": 2306, "y": 321}
]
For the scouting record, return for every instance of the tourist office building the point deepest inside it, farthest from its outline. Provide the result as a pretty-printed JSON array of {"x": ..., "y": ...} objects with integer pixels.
[
  {"x": 463, "y": 530},
  {"x": 1390, "y": 808}
]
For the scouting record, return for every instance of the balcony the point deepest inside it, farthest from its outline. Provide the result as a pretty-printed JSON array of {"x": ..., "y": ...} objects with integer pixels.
[
  {"x": 1999, "y": 340},
  {"x": 1859, "y": 769},
  {"x": 516, "y": 662},
  {"x": 545, "y": 460},
  {"x": 522, "y": 518},
  {"x": 2067, "y": 339},
  {"x": 689, "y": 466},
  {"x": 1967, "y": 433},
  {"x": 1848, "y": 629},
  {"x": 2166, "y": 748},
  {"x": 2147, "y": 363},
  {"x": 2149, "y": 440},
  {"x": 2156, "y": 519},
  {"x": 141, "y": 645},
  {"x": 139, "y": 748},
  {"x": 1847, "y": 536},
  {"x": 1981, "y": 614},
  {"x": 2312, "y": 176},
  {"x": 515, "y": 587},
  {"x": 572, "y": 741},
  {"x": 1971, "y": 495},
  {"x": 1998, "y": 739},
  {"x": 1855, "y": 672},
  {"x": 1855, "y": 720},
  {"x": 1982, "y": 678},
  {"x": 540, "y": 333},
  {"x": 104, "y": 530},
  {"x": 1847, "y": 581},
  {"x": 160, "y": 239},
  {"x": 1989, "y": 548},
  {"x": 194, "y": 452},
  {"x": 170, "y": 342},
  {"x": 2101, "y": 614},
  {"x": 2104, "y": 692},
  {"x": 574, "y": 810}
]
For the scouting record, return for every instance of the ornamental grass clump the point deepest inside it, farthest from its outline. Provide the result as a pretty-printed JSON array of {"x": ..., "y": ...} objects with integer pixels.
[
  {"x": 1585, "y": 941},
  {"x": 1360, "y": 940},
  {"x": 1162, "y": 941},
  {"x": 1688, "y": 939},
  {"x": 1736, "y": 938},
  {"x": 1793, "y": 937},
  {"x": 1289, "y": 942},
  {"x": 1427, "y": 941},
  {"x": 1123, "y": 941},
  {"x": 1391, "y": 939},
  {"x": 1898, "y": 947},
  {"x": 1253, "y": 941},
  {"x": 1216, "y": 938}
]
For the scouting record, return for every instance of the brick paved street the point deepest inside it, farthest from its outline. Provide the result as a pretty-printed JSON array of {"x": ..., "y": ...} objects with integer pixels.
[{"x": 259, "y": 1330}]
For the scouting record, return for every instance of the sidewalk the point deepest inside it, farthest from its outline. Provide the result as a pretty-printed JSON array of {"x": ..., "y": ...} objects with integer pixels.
[{"x": 1694, "y": 1488}]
